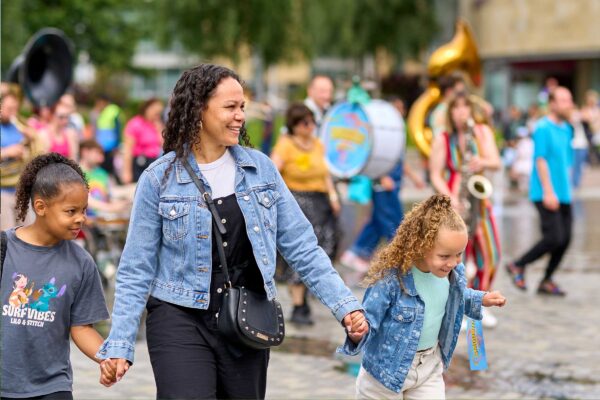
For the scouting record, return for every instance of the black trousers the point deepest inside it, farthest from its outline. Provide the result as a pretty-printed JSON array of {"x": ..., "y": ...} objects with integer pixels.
[
  {"x": 191, "y": 360},
  {"x": 556, "y": 235}
]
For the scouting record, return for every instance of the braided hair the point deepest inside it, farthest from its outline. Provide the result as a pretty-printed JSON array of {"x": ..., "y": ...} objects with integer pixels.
[
  {"x": 415, "y": 236},
  {"x": 43, "y": 177}
]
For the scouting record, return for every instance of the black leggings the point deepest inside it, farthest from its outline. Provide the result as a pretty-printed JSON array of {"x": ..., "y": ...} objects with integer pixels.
[
  {"x": 556, "y": 235},
  {"x": 191, "y": 361}
]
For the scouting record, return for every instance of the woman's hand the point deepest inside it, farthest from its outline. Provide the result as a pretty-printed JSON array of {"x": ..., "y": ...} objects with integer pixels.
[
  {"x": 356, "y": 325},
  {"x": 476, "y": 164},
  {"x": 494, "y": 298}
]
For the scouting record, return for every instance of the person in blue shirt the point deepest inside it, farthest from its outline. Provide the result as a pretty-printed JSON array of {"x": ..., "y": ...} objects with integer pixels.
[
  {"x": 550, "y": 192},
  {"x": 414, "y": 304}
]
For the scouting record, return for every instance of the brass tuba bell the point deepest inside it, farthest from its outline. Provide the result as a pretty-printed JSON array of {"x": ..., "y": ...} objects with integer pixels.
[{"x": 460, "y": 54}]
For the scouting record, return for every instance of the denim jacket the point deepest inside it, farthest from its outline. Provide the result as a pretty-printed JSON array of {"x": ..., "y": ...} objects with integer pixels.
[
  {"x": 168, "y": 249},
  {"x": 395, "y": 322}
]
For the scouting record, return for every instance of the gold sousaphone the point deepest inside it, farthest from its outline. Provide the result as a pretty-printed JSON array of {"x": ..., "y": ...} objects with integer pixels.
[{"x": 460, "y": 54}]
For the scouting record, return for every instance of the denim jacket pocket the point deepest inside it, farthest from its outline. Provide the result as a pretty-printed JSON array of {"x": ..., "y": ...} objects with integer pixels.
[
  {"x": 174, "y": 219},
  {"x": 404, "y": 314},
  {"x": 267, "y": 198}
]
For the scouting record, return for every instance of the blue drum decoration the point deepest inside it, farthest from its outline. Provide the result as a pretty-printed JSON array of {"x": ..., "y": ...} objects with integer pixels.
[{"x": 366, "y": 139}]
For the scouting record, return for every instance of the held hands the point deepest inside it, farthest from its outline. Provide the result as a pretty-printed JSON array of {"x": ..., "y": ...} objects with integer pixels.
[
  {"x": 494, "y": 298},
  {"x": 112, "y": 370},
  {"x": 356, "y": 325}
]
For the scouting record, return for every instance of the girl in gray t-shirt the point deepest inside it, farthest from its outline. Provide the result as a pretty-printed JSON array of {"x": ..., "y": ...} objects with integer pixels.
[{"x": 50, "y": 286}]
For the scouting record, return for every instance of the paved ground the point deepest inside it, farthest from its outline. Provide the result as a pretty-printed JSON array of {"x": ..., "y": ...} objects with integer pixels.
[{"x": 542, "y": 347}]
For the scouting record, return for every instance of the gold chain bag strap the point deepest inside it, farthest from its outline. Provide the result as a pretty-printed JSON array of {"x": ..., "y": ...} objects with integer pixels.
[{"x": 245, "y": 317}]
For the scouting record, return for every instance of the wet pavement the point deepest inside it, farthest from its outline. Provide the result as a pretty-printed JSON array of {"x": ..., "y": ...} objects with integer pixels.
[{"x": 542, "y": 347}]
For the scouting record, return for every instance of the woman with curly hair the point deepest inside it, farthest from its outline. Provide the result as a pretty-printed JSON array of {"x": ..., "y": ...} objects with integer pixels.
[
  {"x": 170, "y": 263},
  {"x": 415, "y": 303}
]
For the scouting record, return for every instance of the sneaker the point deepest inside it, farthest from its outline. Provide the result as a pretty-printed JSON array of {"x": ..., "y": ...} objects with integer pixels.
[
  {"x": 488, "y": 320},
  {"x": 516, "y": 275},
  {"x": 549, "y": 287},
  {"x": 352, "y": 261}
]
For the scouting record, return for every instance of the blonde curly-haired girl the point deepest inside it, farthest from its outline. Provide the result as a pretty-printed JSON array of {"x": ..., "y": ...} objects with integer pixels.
[{"x": 415, "y": 302}]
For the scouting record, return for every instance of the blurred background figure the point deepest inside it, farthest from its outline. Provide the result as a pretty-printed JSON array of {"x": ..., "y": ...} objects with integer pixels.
[
  {"x": 76, "y": 120},
  {"x": 41, "y": 118},
  {"x": 61, "y": 137},
  {"x": 550, "y": 191},
  {"x": 580, "y": 147},
  {"x": 590, "y": 116},
  {"x": 106, "y": 123},
  {"x": 319, "y": 96},
  {"x": 300, "y": 157},
  {"x": 142, "y": 141},
  {"x": 19, "y": 143},
  {"x": 522, "y": 164},
  {"x": 449, "y": 86}
]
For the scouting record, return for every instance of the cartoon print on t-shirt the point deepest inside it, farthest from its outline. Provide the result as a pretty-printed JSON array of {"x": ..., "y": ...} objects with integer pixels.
[
  {"x": 27, "y": 307},
  {"x": 43, "y": 296},
  {"x": 20, "y": 294}
]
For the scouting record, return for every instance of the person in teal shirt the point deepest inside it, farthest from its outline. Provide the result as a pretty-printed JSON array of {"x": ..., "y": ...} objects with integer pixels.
[{"x": 550, "y": 192}]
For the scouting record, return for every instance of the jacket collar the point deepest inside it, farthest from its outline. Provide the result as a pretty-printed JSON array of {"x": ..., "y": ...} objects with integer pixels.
[
  {"x": 409, "y": 281},
  {"x": 240, "y": 156}
]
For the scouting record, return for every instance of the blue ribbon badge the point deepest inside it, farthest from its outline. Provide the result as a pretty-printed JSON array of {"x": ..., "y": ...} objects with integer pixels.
[{"x": 476, "y": 346}]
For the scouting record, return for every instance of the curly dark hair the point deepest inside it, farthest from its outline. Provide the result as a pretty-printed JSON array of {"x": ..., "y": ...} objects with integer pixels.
[
  {"x": 190, "y": 98},
  {"x": 43, "y": 177},
  {"x": 415, "y": 236}
]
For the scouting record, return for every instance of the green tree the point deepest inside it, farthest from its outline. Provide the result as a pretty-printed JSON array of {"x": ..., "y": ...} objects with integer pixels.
[
  {"x": 108, "y": 30},
  {"x": 358, "y": 28}
]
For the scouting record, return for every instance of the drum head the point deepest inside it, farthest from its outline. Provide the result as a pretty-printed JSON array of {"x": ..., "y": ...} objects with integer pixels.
[{"x": 346, "y": 135}]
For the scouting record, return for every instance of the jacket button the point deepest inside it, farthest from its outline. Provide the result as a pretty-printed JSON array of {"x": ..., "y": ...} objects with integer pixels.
[
  {"x": 266, "y": 200},
  {"x": 172, "y": 213},
  {"x": 246, "y": 198},
  {"x": 219, "y": 290},
  {"x": 265, "y": 261},
  {"x": 224, "y": 244},
  {"x": 400, "y": 317},
  {"x": 223, "y": 221},
  {"x": 256, "y": 229},
  {"x": 219, "y": 201}
]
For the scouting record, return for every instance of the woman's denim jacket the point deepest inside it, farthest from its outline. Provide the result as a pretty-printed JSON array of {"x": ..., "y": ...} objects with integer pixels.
[
  {"x": 396, "y": 319},
  {"x": 168, "y": 249}
]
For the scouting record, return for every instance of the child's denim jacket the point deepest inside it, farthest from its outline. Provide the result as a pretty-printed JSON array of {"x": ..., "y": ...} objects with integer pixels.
[
  {"x": 168, "y": 252},
  {"x": 396, "y": 319}
]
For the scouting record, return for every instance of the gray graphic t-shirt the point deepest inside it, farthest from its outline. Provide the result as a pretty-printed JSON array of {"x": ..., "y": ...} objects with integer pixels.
[{"x": 45, "y": 291}]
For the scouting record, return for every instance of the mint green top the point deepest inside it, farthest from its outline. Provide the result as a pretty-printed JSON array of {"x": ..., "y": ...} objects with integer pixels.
[{"x": 434, "y": 293}]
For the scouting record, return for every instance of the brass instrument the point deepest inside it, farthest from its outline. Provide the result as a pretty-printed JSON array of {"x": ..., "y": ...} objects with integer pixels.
[
  {"x": 460, "y": 54},
  {"x": 473, "y": 187}
]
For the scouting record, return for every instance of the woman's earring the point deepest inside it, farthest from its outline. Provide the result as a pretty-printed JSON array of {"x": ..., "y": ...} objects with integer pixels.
[{"x": 201, "y": 125}]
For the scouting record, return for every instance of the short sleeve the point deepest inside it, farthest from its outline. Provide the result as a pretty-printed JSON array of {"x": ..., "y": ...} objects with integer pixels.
[
  {"x": 89, "y": 305},
  {"x": 540, "y": 140}
]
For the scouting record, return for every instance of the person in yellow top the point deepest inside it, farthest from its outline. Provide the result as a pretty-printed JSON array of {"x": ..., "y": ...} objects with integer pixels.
[{"x": 300, "y": 158}]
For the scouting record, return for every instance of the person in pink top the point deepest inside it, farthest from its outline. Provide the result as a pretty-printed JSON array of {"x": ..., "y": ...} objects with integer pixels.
[
  {"x": 61, "y": 138},
  {"x": 142, "y": 142}
]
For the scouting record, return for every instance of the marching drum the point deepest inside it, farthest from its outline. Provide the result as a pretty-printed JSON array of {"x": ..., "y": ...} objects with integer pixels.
[{"x": 363, "y": 139}]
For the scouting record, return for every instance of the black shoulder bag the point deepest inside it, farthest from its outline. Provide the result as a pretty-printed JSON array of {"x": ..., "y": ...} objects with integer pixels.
[
  {"x": 3, "y": 246},
  {"x": 245, "y": 317}
]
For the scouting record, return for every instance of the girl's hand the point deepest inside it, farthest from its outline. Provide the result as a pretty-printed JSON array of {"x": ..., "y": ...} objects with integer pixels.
[
  {"x": 356, "y": 325},
  {"x": 108, "y": 371},
  {"x": 494, "y": 298},
  {"x": 476, "y": 164}
]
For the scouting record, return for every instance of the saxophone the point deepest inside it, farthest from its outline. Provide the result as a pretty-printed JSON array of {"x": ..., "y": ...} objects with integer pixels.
[{"x": 473, "y": 187}]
